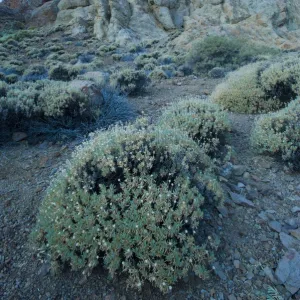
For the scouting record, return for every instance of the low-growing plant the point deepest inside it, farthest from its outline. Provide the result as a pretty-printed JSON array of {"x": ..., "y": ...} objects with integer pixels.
[
  {"x": 278, "y": 134},
  {"x": 34, "y": 73},
  {"x": 3, "y": 89},
  {"x": 260, "y": 87},
  {"x": 229, "y": 52},
  {"x": 143, "y": 60},
  {"x": 158, "y": 74},
  {"x": 203, "y": 121},
  {"x": 63, "y": 72},
  {"x": 46, "y": 99},
  {"x": 129, "y": 81},
  {"x": 12, "y": 78},
  {"x": 133, "y": 196},
  {"x": 18, "y": 35}
]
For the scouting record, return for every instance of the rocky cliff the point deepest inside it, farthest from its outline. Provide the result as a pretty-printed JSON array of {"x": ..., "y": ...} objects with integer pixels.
[{"x": 275, "y": 22}]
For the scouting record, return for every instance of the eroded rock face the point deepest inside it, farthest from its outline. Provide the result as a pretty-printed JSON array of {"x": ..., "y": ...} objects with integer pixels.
[{"x": 276, "y": 22}]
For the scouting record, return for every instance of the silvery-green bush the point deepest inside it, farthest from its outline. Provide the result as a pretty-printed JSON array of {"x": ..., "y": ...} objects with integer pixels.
[
  {"x": 278, "y": 134},
  {"x": 203, "y": 121},
  {"x": 133, "y": 196},
  {"x": 260, "y": 87}
]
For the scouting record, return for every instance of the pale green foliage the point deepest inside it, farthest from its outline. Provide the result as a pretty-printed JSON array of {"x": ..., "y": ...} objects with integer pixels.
[
  {"x": 204, "y": 122},
  {"x": 63, "y": 72},
  {"x": 145, "y": 59},
  {"x": 279, "y": 134},
  {"x": 273, "y": 294},
  {"x": 229, "y": 52},
  {"x": 45, "y": 99},
  {"x": 260, "y": 87},
  {"x": 134, "y": 196},
  {"x": 129, "y": 81},
  {"x": 3, "y": 89},
  {"x": 158, "y": 74}
]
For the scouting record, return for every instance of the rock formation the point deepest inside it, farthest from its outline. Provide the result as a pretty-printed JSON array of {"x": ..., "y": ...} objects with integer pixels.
[{"x": 275, "y": 22}]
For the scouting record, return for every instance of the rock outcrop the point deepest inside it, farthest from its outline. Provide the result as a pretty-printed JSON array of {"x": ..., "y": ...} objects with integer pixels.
[{"x": 275, "y": 22}]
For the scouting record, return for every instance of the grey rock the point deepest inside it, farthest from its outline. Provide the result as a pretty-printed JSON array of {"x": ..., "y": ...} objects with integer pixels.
[
  {"x": 275, "y": 225},
  {"x": 295, "y": 209},
  {"x": 252, "y": 261},
  {"x": 226, "y": 170},
  {"x": 270, "y": 274},
  {"x": 294, "y": 222},
  {"x": 288, "y": 271},
  {"x": 241, "y": 200},
  {"x": 44, "y": 270},
  {"x": 218, "y": 271},
  {"x": 223, "y": 211},
  {"x": 239, "y": 170},
  {"x": 263, "y": 216},
  {"x": 241, "y": 185},
  {"x": 295, "y": 233},
  {"x": 217, "y": 73},
  {"x": 19, "y": 136},
  {"x": 288, "y": 241},
  {"x": 237, "y": 264}
]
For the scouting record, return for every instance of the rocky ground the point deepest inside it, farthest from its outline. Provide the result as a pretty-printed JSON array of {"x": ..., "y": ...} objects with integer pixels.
[{"x": 258, "y": 229}]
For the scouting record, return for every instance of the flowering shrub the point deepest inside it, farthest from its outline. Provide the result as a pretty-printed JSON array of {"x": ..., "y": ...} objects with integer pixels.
[
  {"x": 260, "y": 87},
  {"x": 204, "y": 122},
  {"x": 63, "y": 72},
  {"x": 129, "y": 81},
  {"x": 279, "y": 134},
  {"x": 133, "y": 196},
  {"x": 228, "y": 52},
  {"x": 44, "y": 99}
]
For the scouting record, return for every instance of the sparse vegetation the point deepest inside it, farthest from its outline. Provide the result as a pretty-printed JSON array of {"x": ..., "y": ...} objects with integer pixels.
[
  {"x": 260, "y": 87},
  {"x": 278, "y": 134}
]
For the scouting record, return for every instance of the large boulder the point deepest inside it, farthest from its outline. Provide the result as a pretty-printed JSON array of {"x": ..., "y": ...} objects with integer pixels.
[{"x": 43, "y": 15}]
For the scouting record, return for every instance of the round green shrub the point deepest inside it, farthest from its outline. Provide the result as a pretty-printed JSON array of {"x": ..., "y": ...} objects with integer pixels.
[
  {"x": 203, "y": 121},
  {"x": 63, "y": 73},
  {"x": 133, "y": 196},
  {"x": 12, "y": 78},
  {"x": 45, "y": 99},
  {"x": 158, "y": 74},
  {"x": 129, "y": 81},
  {"x": 260, "y": 87},
  {"x": 145, "y": 59},
  {"x": 278, "y": 134},
  {"x": 229, "y": 52}
]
